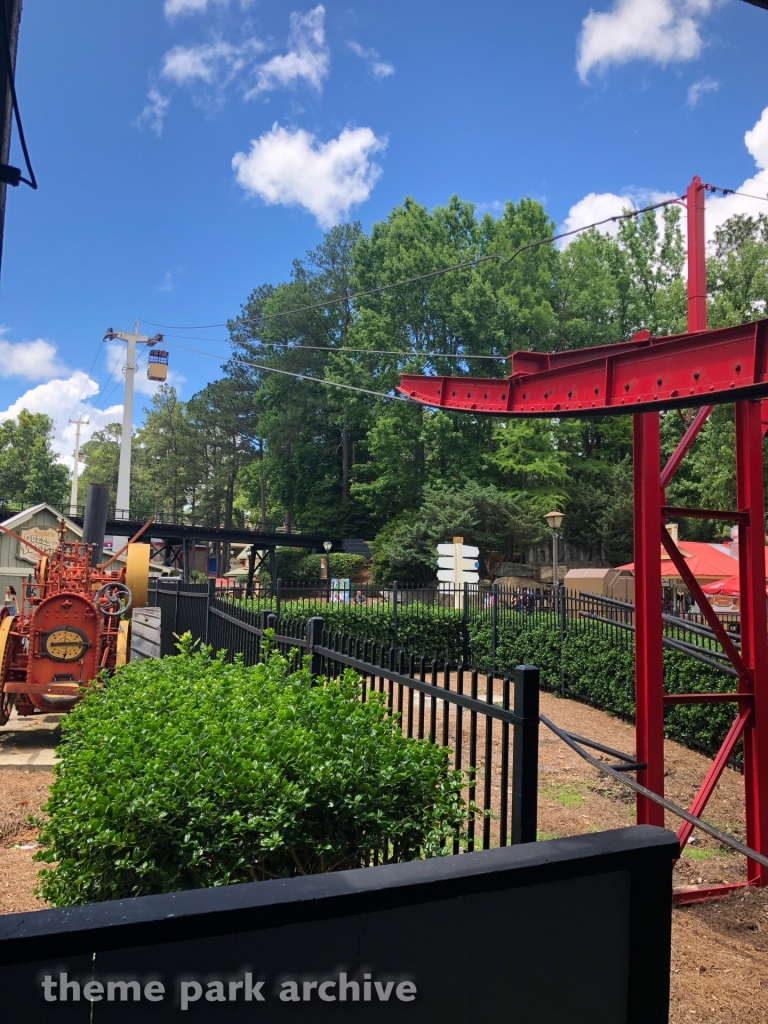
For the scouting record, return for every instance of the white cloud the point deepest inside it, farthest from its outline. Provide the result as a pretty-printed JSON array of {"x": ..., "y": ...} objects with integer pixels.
[
  {"x": 699, "y": 89},
  {"x": 215, "y": 63},
  {"x": 379, "y": 68},
  {"x": 307, "y": 59},
  {"x": 720, "y": 208},
  {"x": 598, "y": 206},
  {"x": 663, "y": 31},
  {"x": 175, "y": 7},
  {"x": 154, "y": 112},
  {"x": 327, "y": 178},
  {"x": 167, "y": 283},
  {"x": 32, "y": 360},
  {"x": 57, "y": 398}
]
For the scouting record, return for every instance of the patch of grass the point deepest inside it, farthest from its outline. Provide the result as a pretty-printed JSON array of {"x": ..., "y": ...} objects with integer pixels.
[
  {"x": 569, "y": 796},
  {"x": 699, "y": 854},
  {"x": 542, "y": 837}
]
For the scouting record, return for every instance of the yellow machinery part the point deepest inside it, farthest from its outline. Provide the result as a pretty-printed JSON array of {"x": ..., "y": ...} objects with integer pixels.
[
  {"x": 137, "y": 573},
  {"x": 123, "y": 634},
  {"x": 5, "y": 641},
  {"x": 42, "y": 569}
]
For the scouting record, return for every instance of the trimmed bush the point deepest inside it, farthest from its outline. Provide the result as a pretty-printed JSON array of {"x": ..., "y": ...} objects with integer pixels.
[
  {"x": 188, "y": 772},
  {"x": 602, "y": 670}
]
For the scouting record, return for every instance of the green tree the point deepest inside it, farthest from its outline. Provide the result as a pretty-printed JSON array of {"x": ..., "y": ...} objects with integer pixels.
[{"x": 29, "y": 470}]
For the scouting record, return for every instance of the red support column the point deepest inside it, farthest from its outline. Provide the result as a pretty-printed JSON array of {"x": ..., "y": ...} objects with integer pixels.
[
  {"x": 697, "y": 256},
  {"x": 754, "y": 635},
  {"x": 649, "y": 690}
]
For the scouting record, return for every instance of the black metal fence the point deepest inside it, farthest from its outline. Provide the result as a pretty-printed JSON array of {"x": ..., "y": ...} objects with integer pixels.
[{"x": 411, "y": 616}]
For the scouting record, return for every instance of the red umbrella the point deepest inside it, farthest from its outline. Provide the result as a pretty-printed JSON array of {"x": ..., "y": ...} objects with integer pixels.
[{"x": 729, "y": 587}]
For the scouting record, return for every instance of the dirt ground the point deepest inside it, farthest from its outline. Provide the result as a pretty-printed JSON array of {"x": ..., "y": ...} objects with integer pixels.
[{"x": 719, "y": 949}]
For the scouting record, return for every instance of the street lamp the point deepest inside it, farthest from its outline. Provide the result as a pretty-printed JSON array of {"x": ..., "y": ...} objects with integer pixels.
[
  {"x": 554, "y": 521},
  {"x": 327, "y": 545}
]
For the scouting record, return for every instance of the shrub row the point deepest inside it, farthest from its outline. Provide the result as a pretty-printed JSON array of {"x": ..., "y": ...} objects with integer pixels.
[
  {"x": 189, "y": 772},
  {"x": 600, "y": 667}
]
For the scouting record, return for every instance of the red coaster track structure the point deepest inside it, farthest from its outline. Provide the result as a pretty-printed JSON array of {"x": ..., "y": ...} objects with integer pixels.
[{"x": 644, "y": 376}]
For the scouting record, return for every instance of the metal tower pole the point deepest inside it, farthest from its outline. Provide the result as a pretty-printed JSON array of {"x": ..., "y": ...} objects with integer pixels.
[
  {"x": 75, "y": 470},
  {"x": 123, "y": 496}
]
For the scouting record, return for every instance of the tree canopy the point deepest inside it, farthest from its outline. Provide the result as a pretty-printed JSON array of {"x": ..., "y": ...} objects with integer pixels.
[{"x": 274, "y": 442}]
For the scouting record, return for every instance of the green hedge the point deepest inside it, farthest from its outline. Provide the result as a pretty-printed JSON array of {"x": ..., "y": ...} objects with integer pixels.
[
  {"x": 600, "y": 665},
  {"x": 188, "y": 772}
]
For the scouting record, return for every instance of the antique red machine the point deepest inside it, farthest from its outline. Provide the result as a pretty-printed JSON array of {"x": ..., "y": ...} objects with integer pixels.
[
  {"x": 66, "y": 630},
  {"x": 69, "y": 625}
]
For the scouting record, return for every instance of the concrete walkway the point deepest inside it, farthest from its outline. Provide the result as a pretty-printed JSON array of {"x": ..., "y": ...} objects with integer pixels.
[{"x": 30, "y": 742}]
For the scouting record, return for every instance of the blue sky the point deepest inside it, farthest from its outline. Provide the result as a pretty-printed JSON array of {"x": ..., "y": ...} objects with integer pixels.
[{"x": 187, "y": 150}]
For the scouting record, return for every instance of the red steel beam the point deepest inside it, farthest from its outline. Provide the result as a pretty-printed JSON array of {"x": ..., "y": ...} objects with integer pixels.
[
  {"x": 715, "y": 892},
  {"x": 642, "y": 375},
  {"x": 754, "y": 627},
  {"x": 705, "y": 607},
  {"x": 649, "y": 669},
  {"x": 685, "y": 444},
  {"x": 697, "y": 256},
  {"x": 713, "y": 775}
]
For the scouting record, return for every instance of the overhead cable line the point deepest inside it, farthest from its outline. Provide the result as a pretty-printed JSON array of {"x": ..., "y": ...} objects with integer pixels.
[
  {"x": 734, "y": 192},
  {"x": 343, "y": 348},
  {"x": 500, "y": 257},
  {"x": 299, "y": 376}
]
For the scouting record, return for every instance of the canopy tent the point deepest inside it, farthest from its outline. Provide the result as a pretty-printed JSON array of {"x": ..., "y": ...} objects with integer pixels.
[{"x": 728, "y": 587}]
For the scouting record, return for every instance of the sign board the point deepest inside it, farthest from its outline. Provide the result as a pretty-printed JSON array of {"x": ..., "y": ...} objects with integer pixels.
[
  {"x": 467, "y": 550},
  {"x": 340, "y": 590},
  {"x": 457, "y": 564},
  {"x": 450, "y": 576},
  {"x": 145, "y": 634},
  {"x": 363, "y": 945},
  {"x": 44, "y": 537}
]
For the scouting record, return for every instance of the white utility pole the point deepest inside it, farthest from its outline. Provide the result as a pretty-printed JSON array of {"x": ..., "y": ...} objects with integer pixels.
[
  {"x": 123, "y": 496},
  {"x": 73, "y": 494}
]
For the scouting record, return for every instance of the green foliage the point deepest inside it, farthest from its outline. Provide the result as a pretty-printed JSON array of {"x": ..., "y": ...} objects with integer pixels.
[
  {"x": 280, "y": 448},
  {"x": 601, "y": 669},
  {"x": 295, "y": 565},
  {"x": 498, "y": 522},
  {"x": 29, "y": 472},
  {"x": 189, "y": 772}
]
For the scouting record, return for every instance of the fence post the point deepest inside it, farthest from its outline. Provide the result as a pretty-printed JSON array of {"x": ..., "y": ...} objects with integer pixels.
[
  {"x": 494, "y": 625},
  {"x": 525, "y": 755},
  {"x": 315, "y": 639},
  {"x": 208, "y": 604},
  {"x": 278, "y": 597},
  {"x": 465, "y": 625},
  {"x": 394, "y": 613}
]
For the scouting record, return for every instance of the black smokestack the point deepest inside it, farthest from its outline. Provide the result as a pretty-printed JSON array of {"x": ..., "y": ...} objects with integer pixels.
[{"x": 95, "y": 519}]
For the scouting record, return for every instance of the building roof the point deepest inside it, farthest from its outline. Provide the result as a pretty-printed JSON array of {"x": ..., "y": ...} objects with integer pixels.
[{"x": 22, "y": 517}]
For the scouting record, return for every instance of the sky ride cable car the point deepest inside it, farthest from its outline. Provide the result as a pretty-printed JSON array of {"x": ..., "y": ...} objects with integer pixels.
[{"x": 157, "y": 365}]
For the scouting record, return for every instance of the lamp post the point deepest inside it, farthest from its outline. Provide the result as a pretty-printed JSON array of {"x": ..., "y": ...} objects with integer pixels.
[
  {"x": 554, "y": 521},
  {"x": 327, "y": 545}
]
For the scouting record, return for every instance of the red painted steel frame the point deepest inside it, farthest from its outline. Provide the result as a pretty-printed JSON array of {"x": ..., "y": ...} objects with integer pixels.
[
  {"x": 649, "y": 669},
  {"x": 644, "y": 376}
]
